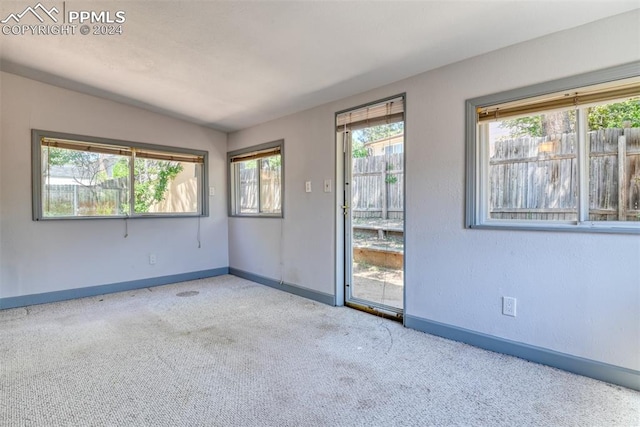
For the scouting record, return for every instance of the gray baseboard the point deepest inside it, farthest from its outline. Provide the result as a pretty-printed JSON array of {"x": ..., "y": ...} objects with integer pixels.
[
  {"x": 25, "y": 300},
  {"x": 589, "y": 368},
  {"x": 287, "y": 287}
]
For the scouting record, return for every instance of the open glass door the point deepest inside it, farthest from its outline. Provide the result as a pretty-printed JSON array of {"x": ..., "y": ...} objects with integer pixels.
[{"x": 373, "y": 142}]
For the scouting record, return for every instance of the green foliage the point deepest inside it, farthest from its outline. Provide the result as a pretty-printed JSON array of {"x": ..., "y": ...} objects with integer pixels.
[
  {"x": 550, "y": 123},
  {"x": 152, "y": 178},
  {"x": 619, "y": 115},
  {"x": 62, "y": 157},
  {"x": 87, "y": 166},
  {"x": 249, "y": 164},
  {"x": 106, "y": 208},
  {"x": 523, "y": 126},
  {"x": 272, "y": 163},
  {"x": 121, "y": 169},
  {"x": 61, "y": 208},
  {"x": 359, "y": 150},
  {"x": 360, "y": 137},
  {"x": 376, "y": 133},
  {"x": 390, "y": 178}
]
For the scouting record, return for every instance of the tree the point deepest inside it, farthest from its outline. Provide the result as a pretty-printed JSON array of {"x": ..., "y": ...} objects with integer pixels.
[
  {"x": 553, "y": 123},
  {"x": 523, "y": 126},
  {"x": 360, "y": 137},
  {"x": 91, "y": 170},
  {"x": 619, "y": 115},
  {"x": 88, "y": 166},
  {"x": 615, "y": 115},
  {"x": 151, "y": 180},
  {"x": 358, "y": 150}
]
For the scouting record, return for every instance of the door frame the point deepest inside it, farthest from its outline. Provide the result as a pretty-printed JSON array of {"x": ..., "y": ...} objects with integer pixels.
[{"x": 341, "y": 267}]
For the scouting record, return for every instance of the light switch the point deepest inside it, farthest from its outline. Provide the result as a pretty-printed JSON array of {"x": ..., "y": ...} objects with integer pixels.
[
  {"x": 327, "y": 186},
  {"x": 307, "y": 186}
]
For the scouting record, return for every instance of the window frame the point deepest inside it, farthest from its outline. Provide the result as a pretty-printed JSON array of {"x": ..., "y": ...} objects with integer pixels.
[
  {"x": 396, "y": 148},
  {"x": 477, "y": 162},
  {"x": 232, "y": 187},
  {"x": 37, "y": 175}
]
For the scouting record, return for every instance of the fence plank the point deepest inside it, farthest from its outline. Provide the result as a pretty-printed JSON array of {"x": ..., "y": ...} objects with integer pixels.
[
  {"x": 537, "y": 178},
  {"x": 622, "y": 182},
  {"x": 377, "y": 186}
]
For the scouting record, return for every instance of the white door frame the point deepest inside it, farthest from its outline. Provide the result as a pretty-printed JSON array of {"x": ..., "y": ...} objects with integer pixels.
[{"x": 342, "y": 270}]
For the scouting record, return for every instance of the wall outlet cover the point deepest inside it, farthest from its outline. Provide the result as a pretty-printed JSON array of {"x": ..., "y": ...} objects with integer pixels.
[{"x": 509, "y": 306}]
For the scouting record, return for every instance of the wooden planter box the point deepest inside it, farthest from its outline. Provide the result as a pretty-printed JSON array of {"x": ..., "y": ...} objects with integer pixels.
[{"x": 378, "y": 257}]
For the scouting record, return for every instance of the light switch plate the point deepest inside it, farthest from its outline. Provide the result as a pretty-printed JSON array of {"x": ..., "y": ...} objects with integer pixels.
[{"x": 327, "y": 186}]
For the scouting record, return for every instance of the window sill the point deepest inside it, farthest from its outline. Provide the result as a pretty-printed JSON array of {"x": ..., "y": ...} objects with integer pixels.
[
  {"x": 82, "y": 218},
  {"x": 584, "y": 227},
  {"x": 256, "y": 216}
]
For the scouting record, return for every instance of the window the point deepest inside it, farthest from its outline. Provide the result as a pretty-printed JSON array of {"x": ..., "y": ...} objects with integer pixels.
[
  {"x": 85, "y": 177},
  {"x": 393, "y": 149},
  {"x": 557, "y": 155},
  {"x": 255, "y": 180}
]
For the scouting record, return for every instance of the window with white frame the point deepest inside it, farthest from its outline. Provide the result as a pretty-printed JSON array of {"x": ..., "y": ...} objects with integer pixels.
[
  {"x": 256, "y": 180},
  {"x": 560, "y": 155},
  {"x": 393, "y": 149},
  {"x": 87, "y": 177}
]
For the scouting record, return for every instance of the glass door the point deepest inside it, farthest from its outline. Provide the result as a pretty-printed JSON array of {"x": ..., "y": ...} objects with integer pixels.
[{"x": 373, "y": 140}]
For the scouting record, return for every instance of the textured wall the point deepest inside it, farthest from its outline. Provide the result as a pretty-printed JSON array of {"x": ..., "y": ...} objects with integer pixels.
[
  {"x": 49, "y": 256},
  {"x": 298, "y": 249},
  {"x": 567, "y": 300}
]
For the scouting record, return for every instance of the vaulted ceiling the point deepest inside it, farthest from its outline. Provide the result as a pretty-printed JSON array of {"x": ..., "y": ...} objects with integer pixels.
[{"x": 233, "y": 64}]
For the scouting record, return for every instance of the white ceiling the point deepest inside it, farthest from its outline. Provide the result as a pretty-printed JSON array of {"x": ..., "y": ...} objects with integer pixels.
[{"x": 233, "y": 64}]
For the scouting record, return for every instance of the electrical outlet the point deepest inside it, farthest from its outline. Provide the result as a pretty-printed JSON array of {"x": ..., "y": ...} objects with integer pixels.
[
  {"x": 212, "y": 191},
  {"x": 307, "y": 186},
  {"x": 152, "y": 259},
  {"x": 509, "y": 306}
]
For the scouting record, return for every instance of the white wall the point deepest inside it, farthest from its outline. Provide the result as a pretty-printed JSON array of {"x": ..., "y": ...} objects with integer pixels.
[
  {"x": 1, "y": 200},
  {"x": 298, "y": 249},
  {"x": 578, "y": 293},
  {"x": 47, "y": 256}
]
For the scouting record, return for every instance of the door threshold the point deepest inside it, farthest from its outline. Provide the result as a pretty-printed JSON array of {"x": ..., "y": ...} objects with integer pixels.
[{"x": 378, "y": 311}]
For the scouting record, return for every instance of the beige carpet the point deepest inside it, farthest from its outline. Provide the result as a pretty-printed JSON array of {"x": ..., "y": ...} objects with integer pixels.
[{"x": 228, "y": 352}]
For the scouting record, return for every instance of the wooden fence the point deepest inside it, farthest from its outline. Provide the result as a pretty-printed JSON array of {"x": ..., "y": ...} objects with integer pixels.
[
  {"x": 269, "y": 192},
  {"x": 537, "y": 178},
  {"x": 83, "y": 200},
  {"x": 377, "y": 187}
]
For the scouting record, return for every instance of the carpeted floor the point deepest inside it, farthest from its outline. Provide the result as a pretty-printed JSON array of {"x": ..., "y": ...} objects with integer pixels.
[{"x": 228, "y": 352}]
